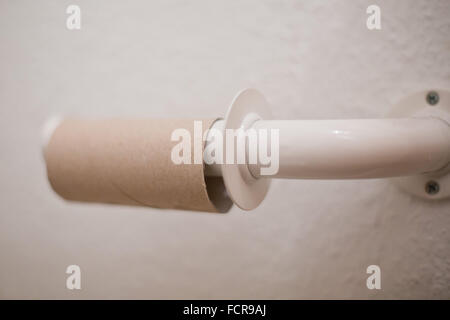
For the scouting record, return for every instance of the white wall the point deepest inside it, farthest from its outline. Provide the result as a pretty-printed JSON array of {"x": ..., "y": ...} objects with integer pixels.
[{"x": 312, "y": 59}]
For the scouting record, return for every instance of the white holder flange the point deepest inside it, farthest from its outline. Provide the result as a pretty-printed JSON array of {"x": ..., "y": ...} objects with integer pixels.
[
  {"x": 432, "y": 103},
  {"x": 246, "y": 191}
]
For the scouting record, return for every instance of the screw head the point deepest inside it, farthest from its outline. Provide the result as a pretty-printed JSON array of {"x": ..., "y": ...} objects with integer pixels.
[
  {"x": 432, "y": 187},
  {"x": 432, "y": 98}
]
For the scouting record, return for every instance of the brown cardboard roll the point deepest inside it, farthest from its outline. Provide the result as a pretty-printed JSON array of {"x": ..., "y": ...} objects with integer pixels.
[{"x": 128, "y": 161}]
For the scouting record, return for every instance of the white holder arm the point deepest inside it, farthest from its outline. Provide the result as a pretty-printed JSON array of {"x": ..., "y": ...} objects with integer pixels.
[{"x": 358, "y": 149}]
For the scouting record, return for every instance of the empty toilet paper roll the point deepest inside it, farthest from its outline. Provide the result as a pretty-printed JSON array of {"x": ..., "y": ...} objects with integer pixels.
[{"x": 128, "y": 161}]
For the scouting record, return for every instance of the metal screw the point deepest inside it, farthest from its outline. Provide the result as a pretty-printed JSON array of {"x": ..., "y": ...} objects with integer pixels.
[
  {"x": 432, "y": 188},
  {"x": 432, "y": 98}
]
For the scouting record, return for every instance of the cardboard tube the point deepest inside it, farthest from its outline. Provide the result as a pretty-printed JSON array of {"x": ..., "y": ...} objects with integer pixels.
[{"x": 128, "y": 161}]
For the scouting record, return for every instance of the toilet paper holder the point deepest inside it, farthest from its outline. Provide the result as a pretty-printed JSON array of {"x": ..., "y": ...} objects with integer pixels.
[{"x": 411, "y": 146}]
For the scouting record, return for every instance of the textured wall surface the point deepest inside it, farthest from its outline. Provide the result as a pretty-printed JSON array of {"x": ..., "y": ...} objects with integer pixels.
[{"x": 312, "y": 59}]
